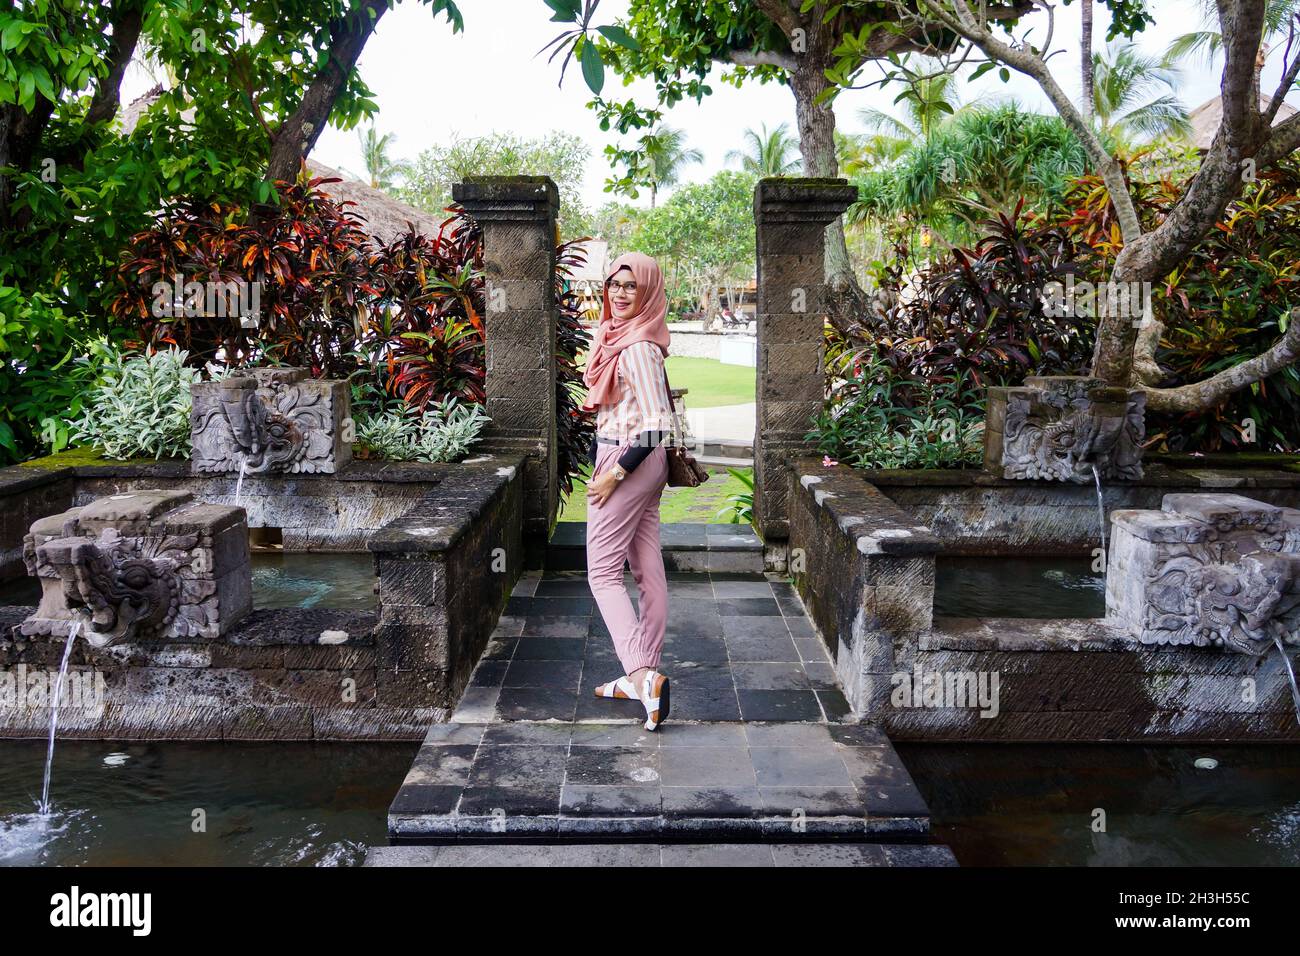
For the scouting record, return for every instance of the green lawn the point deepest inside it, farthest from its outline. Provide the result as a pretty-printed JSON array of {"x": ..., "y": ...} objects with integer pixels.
[
  {"x": 709, "y": 383},
  {"x": 694, "y": 505}
]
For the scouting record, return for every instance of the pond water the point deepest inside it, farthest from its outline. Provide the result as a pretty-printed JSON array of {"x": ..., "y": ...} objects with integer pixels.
[
  {"x": 1015, "y": 805},
  {"x": 1018, "y": 587},
  {"x": 302, "y": 579},
  {"x": 280, "y": 579},
  {"x": 134, "y": 804}
]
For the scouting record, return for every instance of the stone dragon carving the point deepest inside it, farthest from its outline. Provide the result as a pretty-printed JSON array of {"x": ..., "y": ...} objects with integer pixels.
[
  {"x": 270, "y": 421},
  {"x": 1058, "y": 432},
  {"x": 1224, "y": 574},
  {"x": 125, "y": 587},
  {"x": 140, "y": 566}
]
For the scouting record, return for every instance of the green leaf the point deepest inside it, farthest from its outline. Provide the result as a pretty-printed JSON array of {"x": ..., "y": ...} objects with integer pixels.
[
  {"x": 566, "y": 11},
  {"x": 593, "y": 68},
  {"x": 616, "y": 34},
  {"x": 13, "y": 32}
]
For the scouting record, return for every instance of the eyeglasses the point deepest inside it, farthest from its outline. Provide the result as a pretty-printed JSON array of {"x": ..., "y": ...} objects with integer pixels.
[{"x": 629, "y": 287}]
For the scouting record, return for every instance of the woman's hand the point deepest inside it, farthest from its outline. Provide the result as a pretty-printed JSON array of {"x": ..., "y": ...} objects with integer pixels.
[{"x": 601, "y": 486}]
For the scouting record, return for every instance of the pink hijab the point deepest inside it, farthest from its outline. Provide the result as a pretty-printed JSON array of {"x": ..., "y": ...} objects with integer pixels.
[{"x": 647, "y": 324}]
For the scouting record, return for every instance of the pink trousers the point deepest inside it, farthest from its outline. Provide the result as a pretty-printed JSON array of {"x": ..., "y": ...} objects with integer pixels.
[{"x": 626, "y": 527}]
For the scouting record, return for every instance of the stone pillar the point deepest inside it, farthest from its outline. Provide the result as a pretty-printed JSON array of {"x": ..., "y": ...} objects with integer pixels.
[
  {"x": 791, "y": 216},
  {"x": 517, "y": 215}
]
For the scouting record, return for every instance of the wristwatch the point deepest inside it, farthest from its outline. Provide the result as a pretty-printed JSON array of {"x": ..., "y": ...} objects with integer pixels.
[{"x": 618, "y": 472}]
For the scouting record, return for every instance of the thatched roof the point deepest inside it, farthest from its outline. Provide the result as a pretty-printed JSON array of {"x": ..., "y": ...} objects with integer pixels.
[
  {"x": 385, "y": 217},
  {"x": 1207, "y": 117}
]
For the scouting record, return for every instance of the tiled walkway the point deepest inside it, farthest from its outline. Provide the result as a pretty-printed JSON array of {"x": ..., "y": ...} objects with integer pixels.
[
  {"x": 738, "y": 647},
  {"x": 760, "y": 745}
]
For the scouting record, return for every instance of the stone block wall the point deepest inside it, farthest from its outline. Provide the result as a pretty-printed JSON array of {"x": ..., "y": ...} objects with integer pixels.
[
  {"x": 864, "y": 568},
  {"x": 26, "y": 494},
  {"x": 974, "y": 513},
  {"x": 335, "y": 512},
  {"x": 518, "y": 217},
  {"x": 865, "y": 572},
  {"x": 445, "y": 572},
  {"x": 445, "y": 564}
]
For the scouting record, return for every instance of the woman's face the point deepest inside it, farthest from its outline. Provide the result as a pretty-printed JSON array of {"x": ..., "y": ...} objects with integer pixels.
[{"x": 622, "y": 293}]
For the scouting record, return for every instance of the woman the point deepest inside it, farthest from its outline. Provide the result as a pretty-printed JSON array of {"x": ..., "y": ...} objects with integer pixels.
[{"x": 628, "y": 388}]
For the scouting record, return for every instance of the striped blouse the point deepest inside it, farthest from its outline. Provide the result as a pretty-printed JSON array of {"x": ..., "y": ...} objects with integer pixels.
[{"x": 643, "y": 403}]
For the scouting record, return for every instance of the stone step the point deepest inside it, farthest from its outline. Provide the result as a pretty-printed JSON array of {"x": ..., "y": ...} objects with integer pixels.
[
  {"x": 726, "y": 782},
  {"x": 664, "y": 854},
  {"x": 686, "y": 547},
  {"x": 724, "y": 447},
  {"x": 719, "y": 461}
]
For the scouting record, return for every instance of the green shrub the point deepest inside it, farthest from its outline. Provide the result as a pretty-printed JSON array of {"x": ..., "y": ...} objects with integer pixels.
[
  {"x": 139, "y": 404},
  {"x": 876, "y": 419},
  {"x": 444, "y": 432},
  {"x": 740, "y": 510}
]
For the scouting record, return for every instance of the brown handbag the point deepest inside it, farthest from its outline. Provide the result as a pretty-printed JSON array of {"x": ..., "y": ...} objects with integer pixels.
[{"x": 683, "y": 470}]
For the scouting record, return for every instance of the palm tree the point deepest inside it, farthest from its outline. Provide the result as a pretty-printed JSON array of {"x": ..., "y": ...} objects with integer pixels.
[
  {"x": 768, "y": 154},
  {"x": 928, "y": 102},
  {"x": 666, "y": 155},
  {"x": 1205, "y": 45},
  {"x": 1124, "y": 79},
  {"x": 380, "y": 168}
]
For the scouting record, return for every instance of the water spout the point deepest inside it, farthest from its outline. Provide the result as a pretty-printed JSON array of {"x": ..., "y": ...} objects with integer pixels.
[
  {"x": 43, "y": 808},
  {"x": 239, "y": 482},
  {"x": 1101, "y": 514},
  {"x": 1290, "y": 672}
]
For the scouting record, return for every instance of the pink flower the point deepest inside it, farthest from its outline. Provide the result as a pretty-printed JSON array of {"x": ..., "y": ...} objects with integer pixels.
[{"x": 828, "y": 462}]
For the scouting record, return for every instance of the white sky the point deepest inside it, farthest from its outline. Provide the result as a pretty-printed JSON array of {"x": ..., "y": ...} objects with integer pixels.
[{"x": 431, "y": 84}]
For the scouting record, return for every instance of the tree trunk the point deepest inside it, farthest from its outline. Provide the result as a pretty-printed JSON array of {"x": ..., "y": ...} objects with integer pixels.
[
  {"x": 1151, "y": 256},
  {"x": 846, "y": 303},
  {"x": 1085, "y": 60},
  {"x": 298, "y": 134}
]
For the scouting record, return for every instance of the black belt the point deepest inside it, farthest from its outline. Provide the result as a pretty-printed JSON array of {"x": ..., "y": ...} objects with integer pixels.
[{"x": 608, "y": 441}]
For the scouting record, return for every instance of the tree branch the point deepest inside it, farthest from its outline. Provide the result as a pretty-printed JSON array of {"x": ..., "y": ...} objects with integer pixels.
[
  {"x": 126, "y": 20},
  {"x": 1207, "y": 394},
  {"x": 297, "y": 135},
  {"x": 1289, "y": 75},
  {"x": 1284, "y": 139},
  {"x": 761, "y": 58},
  {"x": 782, "y": 13}
]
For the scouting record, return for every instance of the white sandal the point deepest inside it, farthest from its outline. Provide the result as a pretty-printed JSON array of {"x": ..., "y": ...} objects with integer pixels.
[
  {"x": 620, "y": 689},
  {"x": 654, "y": 695}
]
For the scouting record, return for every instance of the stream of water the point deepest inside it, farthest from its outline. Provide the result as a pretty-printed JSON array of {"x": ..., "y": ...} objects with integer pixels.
[
  {"x": 239, "y": 482},
  {"x": 1290, "y": 673},
  {"x": 43, "y": 808},
  {"x": 1101, "y": 515}
]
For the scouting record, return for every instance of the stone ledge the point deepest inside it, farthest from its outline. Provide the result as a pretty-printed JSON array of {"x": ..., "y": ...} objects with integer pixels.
[
  {"x": 442, "y": 516},
  {"x": 18, "y": 478},
  {"x": 862, "y": 511},
  {"x": 1158, "y": 475},
  {"x": 663, "y": 854},
  {"x": 1024, "y": 634}
]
